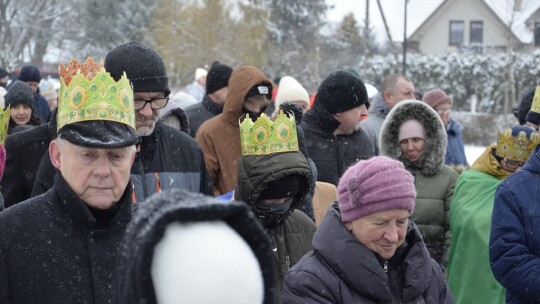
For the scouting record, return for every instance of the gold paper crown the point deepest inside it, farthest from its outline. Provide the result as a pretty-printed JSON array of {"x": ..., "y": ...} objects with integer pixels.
[
  {"x": 4, "y": 124},
  {"x": 516, "y": 147},
  {"x": 87, "y": 92},
  {"x": 535, "y": 105},
  {"x": 265, "y": 137}
]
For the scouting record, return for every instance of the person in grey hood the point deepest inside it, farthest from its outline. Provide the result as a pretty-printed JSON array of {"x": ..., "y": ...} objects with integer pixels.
[{"x": 414, "y": 134}]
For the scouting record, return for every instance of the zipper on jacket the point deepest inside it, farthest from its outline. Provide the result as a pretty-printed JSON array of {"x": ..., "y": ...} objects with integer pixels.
[
  {"x": 143, "y": 178},
  {"x": 288, "y": 262},
  {"x": 385, "y": 266}
]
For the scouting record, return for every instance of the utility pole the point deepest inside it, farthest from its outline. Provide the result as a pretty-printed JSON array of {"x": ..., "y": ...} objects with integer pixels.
[
  {"x": 390, "y": 41},
  {"x": 404, "y": 65}
]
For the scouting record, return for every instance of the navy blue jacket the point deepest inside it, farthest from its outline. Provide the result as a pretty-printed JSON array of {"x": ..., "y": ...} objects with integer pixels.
[
  {"x": 455, "y": 151},
  {"x": 514, "y": 245}
]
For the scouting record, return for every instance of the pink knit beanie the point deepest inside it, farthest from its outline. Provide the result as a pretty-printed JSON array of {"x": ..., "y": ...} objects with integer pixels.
[
  {"x": 436, "y": 97},
  {"x": 373, "y": 185}
]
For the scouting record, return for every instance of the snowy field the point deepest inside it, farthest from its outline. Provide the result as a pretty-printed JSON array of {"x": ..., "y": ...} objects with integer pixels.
[{"x": 472, "y": 152}]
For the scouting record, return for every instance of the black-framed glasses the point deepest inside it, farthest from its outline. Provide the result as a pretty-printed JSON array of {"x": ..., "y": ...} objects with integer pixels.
[
  {"x": 512, "y": 164},
  {"x": 155, "y": 103}
]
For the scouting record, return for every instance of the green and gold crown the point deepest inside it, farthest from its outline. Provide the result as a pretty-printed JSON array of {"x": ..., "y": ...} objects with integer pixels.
[
  {"x": 264, "y": 136},
  {"x": 4, "y": 124},
  {"x": 518, "y": 144},
  {"x": 87, "y": 92}
]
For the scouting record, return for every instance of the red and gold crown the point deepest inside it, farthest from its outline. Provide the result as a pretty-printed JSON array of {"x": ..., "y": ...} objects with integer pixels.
[{"x": 88, "y": 92}]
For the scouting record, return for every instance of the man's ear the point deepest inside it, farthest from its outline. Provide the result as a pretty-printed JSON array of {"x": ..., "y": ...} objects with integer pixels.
[
  {"x": 387, "y": 95},
  {"x": 54, "y": 153}
]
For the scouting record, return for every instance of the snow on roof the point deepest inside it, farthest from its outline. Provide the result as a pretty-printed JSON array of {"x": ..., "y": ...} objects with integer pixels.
[
  {"x": 418, "y": 11},
  {"x": 505, "y": 10}
]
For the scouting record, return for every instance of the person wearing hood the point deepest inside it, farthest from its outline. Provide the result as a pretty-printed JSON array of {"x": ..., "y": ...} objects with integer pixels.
[
  {"x": 414, "y": 134},
  {"x": 334, "y": 138},
  {"x": 249, "y": 93},
  {"x": 514, "y": 252},
  {"x": 455, "y": 150},
  {"x": 183, "y": 247},
  {"x": 61, "y": 247},
  {"x": 217, "y": 88},
  {"x": 166, "y": 157},
  {"x": 174, "y": 114},
  {"x": 366, "y": 249},
  {"x": 469, "y": 273},
  {"x": 274, "y": 179},
  {"x": 394, "y": 89},
  {"x": 21, "y": 101}
]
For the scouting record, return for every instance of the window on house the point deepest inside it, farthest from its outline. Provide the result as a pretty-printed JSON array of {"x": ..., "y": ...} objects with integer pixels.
[
  {"x": 456, "y": 32},
  {"x": 537, "y": 34},
  {"x": 477, "y": 32}
]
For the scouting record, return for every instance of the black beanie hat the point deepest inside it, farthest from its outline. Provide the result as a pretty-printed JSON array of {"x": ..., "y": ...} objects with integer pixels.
[
  {"x": 287, "y": 186},
  {"x": 218, "y": 77},
  {"x": 525, "y": 106},
  {"x": 30, "y": 73},
  {"x": 143, "y": 66},
  {"x": 19, "y": 93},
  {"x": 341, "y": 91}
]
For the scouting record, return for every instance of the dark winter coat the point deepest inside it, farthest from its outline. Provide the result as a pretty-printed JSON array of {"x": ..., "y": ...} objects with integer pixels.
[
  {"x": 333, "y": 154},
  {"x": 342, "y": 270},
  {"x": 134, "y": 280},
  {"x": 42, "y": 107},
  {"x": 54, "y": 250},
  {"x": 291, "y": 239},
  {"x": 201, "y": 112},
  {"x": 434, "y": 181},
  {"x": 514, "y": 245},
  {"x": 219, "y": 137},
  {"x": 455, "y": 151},
  {"x": 167, "y": 159},
  {"x": 24, "y": 151}
]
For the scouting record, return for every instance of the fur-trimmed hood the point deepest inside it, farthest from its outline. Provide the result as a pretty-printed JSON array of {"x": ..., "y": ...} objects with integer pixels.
[{"x": 432, "y": 161}]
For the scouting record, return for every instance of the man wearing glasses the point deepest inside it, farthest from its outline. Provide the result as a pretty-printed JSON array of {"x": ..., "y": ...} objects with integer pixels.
[{"x": 166, "y": 158}]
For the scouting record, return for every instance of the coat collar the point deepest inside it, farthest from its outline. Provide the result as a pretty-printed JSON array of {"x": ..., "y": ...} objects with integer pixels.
[
  {"x": 321, "y": 118},
  {"x": 212, "y": 106}
]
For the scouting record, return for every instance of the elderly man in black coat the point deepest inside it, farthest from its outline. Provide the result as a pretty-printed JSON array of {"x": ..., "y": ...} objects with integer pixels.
[{"x": 61, "y": 247}]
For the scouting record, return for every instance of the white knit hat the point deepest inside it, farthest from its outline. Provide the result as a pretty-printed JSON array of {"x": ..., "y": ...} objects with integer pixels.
[
  {"x": 200, "y": 72},
  {"x": 290, "y": 90}
]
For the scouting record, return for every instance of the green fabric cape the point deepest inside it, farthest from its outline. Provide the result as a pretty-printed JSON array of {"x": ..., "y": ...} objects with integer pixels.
[{"x": 469, "y": 272}]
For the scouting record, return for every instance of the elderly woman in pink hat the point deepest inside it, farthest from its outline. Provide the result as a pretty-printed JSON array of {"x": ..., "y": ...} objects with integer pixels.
[{"x": 366, "y": 249}]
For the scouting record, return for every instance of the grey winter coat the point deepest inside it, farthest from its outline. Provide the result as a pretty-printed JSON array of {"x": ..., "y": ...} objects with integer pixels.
[
  {"x": 434, "y": 181},
  {"x": 342, "y": 270}
]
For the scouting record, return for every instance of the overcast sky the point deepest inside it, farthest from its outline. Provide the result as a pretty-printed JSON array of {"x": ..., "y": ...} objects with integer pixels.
[{"x": 417, "y": 12}]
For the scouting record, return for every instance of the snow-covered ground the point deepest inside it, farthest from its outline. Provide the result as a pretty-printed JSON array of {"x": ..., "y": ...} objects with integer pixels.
[{"x": 472, "y": 152}]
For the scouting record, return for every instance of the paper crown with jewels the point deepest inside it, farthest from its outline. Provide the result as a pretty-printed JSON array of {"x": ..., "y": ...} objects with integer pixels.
[
  {"x": 87, "y": 92},
  {"x": 265, "y": 136},
  {"x": 4, "y": 124},
  {"x": 517, "y": 143}
]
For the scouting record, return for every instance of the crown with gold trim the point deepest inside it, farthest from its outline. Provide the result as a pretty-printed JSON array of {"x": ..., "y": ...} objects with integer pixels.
[
  {"x": 265, "y": 136},
  {"x": 4, "y": 124},
  {"x": 88, "y": 92},
  {"x": 517, "y": 143}
]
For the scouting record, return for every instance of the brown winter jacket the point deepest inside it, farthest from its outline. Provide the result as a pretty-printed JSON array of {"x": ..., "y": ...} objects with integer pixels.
[{"x": 219, "y": 137}]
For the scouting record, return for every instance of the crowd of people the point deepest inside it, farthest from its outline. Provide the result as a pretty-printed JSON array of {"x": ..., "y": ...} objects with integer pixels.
[{"x": 244, "y": 189}]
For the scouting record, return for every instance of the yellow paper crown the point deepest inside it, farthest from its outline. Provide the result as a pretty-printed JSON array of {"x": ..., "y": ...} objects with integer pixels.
[
  {"x": 535, "y": 105},
  {"x": 516, "y": 147},
  {"x": 4, "y": 124},
  {"x": 87, "y": 92},
  {"x": 265, "y": 137}
]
